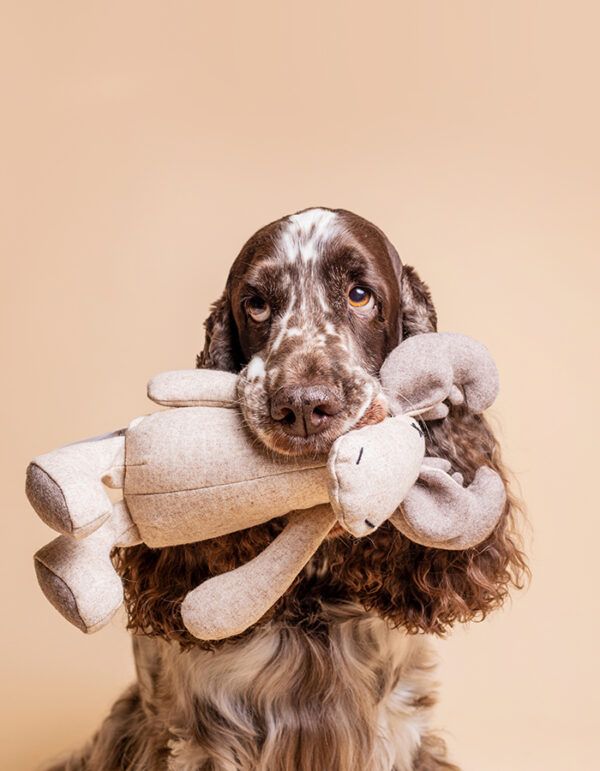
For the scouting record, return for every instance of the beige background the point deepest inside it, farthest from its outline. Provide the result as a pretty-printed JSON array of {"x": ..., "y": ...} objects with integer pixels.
[{"x": 143, "y": 142}]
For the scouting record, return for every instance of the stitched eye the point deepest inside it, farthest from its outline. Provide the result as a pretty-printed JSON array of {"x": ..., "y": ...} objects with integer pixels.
[
  {"x": 361, "y": 298},
  {"x": 258, "y": 309}
]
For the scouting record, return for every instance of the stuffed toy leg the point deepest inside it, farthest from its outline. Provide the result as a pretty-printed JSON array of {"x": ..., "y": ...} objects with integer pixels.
[
  {"x": 65, "y": 486},
  {"x": 78, "y": 577}
]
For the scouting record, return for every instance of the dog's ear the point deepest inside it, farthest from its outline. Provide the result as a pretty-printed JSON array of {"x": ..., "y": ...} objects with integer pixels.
[
  {"x": 221, "y": 344},
  {"x": 425, "y": 589},
  {"x": 416, "y": 306},
  {"x": 465, "y": 585},
  {"x": 418, "y": 312}
]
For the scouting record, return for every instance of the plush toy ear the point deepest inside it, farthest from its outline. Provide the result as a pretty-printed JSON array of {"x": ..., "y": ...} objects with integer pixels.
[
  {"x": 221, "y": 345},
  {"x": 426, "y": 370}
]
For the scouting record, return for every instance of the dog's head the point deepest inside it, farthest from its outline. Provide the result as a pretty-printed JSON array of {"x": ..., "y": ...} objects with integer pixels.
[{"x": 313, "y": 304}]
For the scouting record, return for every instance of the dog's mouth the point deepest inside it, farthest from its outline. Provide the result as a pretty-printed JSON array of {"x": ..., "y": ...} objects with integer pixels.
[
  {"x": 277, "y": 439},
  {"x": 291, "y": 432}
]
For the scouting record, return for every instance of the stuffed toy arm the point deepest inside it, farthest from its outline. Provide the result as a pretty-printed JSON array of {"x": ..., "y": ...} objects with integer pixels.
[
  {"x": 229, "y": 603},
  {"x": 369, "y": 470},
  {"x": 194, "y": 388},
  {"x": 439, "y": 512}
]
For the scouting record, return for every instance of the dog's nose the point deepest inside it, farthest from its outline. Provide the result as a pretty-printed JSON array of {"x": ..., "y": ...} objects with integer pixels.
[{"x": 303, "y": 411}]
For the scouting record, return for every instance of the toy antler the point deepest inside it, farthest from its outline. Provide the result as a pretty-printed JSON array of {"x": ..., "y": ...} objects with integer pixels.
[{"x": 426, "y": 370}]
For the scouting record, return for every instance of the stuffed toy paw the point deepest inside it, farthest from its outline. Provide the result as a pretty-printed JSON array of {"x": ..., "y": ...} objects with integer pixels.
[{"x": 192, "y": 472}]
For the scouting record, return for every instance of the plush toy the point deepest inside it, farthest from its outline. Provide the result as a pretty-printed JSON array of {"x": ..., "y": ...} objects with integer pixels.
[{"x": 193, "y": 472}]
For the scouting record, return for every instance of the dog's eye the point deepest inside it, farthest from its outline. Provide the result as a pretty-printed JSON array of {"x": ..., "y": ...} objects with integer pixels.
[
  {"x": 361, "y": 298},
  {"x": 258, "y": 309}
]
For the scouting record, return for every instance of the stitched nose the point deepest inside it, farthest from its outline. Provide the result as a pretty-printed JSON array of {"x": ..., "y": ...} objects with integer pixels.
[{"x": 303, "y": 411}]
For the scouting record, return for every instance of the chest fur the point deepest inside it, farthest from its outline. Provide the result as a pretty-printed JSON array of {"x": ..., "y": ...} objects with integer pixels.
[{"x": 355, "y": 696}]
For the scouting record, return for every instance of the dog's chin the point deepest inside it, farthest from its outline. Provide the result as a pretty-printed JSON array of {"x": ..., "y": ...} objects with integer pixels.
[{"x": 315, "y": 446}]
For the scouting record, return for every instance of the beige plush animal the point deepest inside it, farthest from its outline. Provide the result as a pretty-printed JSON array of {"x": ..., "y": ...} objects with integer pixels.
[{"x": 193, "y": 472}]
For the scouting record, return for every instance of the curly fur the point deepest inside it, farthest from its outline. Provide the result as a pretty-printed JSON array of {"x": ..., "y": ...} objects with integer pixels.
[
  {"x": 335, "y": 677},
  {"x": 413, "y": 586}
]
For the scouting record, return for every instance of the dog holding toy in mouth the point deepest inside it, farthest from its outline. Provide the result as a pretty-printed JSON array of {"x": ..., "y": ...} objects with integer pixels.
[{"x": 325, "y": 396}]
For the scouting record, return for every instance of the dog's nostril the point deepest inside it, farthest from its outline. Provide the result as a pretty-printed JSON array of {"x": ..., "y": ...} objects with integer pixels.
[
  {"x": 287, "y": 416},
  {"x": 305, "y": 410}
]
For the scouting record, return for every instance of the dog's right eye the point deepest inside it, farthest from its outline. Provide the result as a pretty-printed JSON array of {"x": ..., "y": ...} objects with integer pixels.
[{"x": 258, "y": 309}]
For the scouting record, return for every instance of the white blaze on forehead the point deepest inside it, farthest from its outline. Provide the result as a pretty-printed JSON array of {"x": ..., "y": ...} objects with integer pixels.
[
  {"x": 304, "y": 233},
  {"x": 300, "y": 241}
]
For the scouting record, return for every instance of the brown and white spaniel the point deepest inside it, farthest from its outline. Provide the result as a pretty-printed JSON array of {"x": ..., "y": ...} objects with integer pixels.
[{"x": 336, "y": 676}]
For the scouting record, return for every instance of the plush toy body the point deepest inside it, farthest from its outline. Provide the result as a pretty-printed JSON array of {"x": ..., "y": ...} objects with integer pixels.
[{"x": 193, "y": 473}]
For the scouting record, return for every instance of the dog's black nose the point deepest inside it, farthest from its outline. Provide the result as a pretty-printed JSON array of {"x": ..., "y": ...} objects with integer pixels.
[{"x": 303, "y": 411}]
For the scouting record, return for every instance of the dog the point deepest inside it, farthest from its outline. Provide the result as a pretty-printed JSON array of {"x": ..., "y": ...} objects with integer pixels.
[{"x": 339, "y": 675}]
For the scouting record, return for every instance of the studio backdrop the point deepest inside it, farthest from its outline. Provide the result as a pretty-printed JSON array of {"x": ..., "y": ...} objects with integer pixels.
[{"x": 143, "y": 142}]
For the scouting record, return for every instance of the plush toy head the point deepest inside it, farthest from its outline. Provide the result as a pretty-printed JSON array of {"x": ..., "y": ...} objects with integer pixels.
[{"x": 191, "y": 473}]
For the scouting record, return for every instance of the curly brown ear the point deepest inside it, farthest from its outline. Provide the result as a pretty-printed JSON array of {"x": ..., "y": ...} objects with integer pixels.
[
  {"x": 424, "y": 589},
  {"x": 221, "y": 346},
  {"x": 418, "y": 312},
  {"x": 442, "y": 587}
]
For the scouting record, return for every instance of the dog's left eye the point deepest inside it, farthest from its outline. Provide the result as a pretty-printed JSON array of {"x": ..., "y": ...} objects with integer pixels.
[
  {"x": 258, "y": 309},
  {"x": 361, "y": 298}
]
